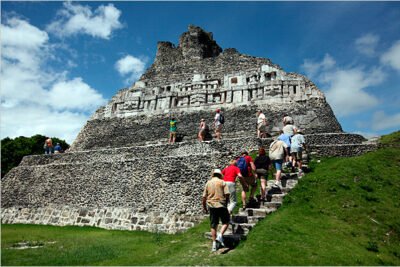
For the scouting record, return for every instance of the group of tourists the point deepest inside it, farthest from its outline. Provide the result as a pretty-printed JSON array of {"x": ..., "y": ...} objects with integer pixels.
[
  {"x": 219, "y": 195},
  {"x": 50, "y": 149},
  {"x": 219, "y": 121}
]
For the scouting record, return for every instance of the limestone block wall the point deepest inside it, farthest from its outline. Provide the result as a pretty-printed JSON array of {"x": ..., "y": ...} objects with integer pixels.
[{"x": 106, "y": 217}]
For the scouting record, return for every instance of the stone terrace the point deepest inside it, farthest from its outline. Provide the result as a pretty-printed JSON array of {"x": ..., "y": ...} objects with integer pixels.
[{"x": 153, "y": 187}]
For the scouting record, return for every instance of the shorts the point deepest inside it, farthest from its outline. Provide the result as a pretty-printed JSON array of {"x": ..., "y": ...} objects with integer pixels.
[
  {"x": 216, "y": 214},
  {"x": 262, "y": 173},
  {"x": 251, "y": 181},
  {"x": 298, "y": 155},
  {"x": 172, "y": 133},
  {"x": 278, "y": 164}
]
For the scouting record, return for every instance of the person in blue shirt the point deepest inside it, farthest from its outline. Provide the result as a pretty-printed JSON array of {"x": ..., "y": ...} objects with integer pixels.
[
  {"x": 57, "y": 148},
  {"x": 286, "y": 139}
]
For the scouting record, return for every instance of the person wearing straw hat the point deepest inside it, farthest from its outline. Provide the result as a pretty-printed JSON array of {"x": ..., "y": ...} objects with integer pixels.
[{"x": 215, "y": 199}]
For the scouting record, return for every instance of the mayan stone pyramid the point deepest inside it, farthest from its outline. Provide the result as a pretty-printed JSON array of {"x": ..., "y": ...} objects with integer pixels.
[{"x": 120, "y": 174}]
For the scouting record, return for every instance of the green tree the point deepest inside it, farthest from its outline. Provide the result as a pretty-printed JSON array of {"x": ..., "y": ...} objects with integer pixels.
[{"x": 13, "y": 150}]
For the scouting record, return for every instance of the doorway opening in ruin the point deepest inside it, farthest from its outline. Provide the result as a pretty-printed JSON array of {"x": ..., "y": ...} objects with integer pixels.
[{"x": 216, "y": 98}]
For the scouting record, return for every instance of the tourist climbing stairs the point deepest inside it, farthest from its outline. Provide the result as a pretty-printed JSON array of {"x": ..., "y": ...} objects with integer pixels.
[{"x": 242, "y": 222}]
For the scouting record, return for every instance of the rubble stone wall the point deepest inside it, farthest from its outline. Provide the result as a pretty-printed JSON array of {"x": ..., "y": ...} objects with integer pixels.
[
  {"x": 153, "y": 188},
  {"x": 241, "y": 121},
  {"x": 142, "y": 193}
]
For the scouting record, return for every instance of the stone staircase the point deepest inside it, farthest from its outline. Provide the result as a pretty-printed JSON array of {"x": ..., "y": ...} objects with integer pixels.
[{"x": 247, "y": 219}]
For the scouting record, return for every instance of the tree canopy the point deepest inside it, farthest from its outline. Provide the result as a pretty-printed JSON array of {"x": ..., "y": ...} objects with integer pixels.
[{"x": 13, "y": 150}]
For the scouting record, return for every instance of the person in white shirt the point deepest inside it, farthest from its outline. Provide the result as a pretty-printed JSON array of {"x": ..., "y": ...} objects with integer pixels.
[
  {"x": 261, "y": 124},
  {"x": 218, "y": 124}
]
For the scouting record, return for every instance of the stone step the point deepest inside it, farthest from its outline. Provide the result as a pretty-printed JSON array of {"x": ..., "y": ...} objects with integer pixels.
[
  {"x": 230, "y": 240},
  {"x": 273, "y": 198},
  {"x": 267, "y": 209},
  {"x": 290, "y": 176},
  {"x": 285, "y": 184},
  {"x": 246, "y": 219},
  {"x": 240, "y": 228}
]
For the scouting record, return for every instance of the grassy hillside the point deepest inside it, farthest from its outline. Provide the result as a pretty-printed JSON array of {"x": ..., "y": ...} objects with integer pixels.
[{"x": 345, "y": 212}]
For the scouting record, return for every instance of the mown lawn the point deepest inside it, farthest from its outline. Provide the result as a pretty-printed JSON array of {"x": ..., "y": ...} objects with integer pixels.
[{"x": 345, "y": 212}]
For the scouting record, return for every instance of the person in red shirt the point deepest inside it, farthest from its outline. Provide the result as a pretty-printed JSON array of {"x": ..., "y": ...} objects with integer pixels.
[{"x": 230, "y": 173}]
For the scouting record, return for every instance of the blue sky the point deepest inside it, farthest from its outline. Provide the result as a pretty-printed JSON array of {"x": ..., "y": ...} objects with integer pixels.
[{"x": 61, "y": 60}]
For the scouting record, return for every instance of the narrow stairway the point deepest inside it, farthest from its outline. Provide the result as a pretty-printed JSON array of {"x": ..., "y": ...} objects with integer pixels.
[{"x": 246, "y": 219}]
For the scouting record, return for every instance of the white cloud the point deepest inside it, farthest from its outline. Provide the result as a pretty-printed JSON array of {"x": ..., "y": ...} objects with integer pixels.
[
  {"x": 35, "y": 100},
  {"x": 346, "y": 90},
  {"x": 345, "y": 87},
  {"x": 312, "y": 68},
  {"x": 19, "y": 33},
  {"x": 74, "y": 94},
  {"x": 392, "y": 56},
  {"x": 367, "y": 43},
  {"x": 130, "y": 66},
  {"x": 382, "y": 121},
  {"x": 78, "y": 19},
  {"x": 29, "y": 120}
]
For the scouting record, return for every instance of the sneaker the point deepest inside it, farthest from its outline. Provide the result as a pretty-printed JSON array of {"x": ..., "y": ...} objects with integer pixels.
[
  {"x": 277, "y": 184},
  {"x": 214, "y": 246},
  {"x": 301, "y": 173},
  {"x": 220, "y": 239}
]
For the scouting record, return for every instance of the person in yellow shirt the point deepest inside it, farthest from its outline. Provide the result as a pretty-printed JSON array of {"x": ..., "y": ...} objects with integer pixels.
[{"x": 215, "y": 199}]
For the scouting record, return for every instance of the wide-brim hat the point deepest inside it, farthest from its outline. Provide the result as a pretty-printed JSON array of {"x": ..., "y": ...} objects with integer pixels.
[{"x": 218, "y": 171}]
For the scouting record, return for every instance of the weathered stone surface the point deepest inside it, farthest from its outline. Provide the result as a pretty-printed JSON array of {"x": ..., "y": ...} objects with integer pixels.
[
  {"x": 193, "y": 79},
  {"x": 120, "y": 174}
]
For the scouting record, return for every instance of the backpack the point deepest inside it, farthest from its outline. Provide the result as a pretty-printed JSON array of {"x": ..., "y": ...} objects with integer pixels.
[
  {"x": 221, "y": 118},
  {"x": 242, "y": 165},
  {"x": 276, "y": 150}
]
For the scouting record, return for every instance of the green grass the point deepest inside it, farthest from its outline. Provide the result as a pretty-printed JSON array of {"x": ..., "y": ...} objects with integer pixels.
[{"x": 345, "y": 212}]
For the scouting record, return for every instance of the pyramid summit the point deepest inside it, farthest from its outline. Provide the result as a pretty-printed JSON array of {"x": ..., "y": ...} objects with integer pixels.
[{"x": 191, "y": 80}]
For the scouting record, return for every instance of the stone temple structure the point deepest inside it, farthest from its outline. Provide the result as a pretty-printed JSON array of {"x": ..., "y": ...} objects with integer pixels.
[{"x": 120, "y": 174}]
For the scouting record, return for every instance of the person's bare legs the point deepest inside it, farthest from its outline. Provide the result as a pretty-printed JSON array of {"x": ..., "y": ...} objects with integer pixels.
[
  {"x": 253, "y": 190},
  {"x": 278, "y": 176},
  {"x": 244, "y": 198},
  {"x": 263, "y": 187},
  {"x": 213, "y": 234},
  {"x": 223, "y": 228},
  {"x": 218, "y": 134}
]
